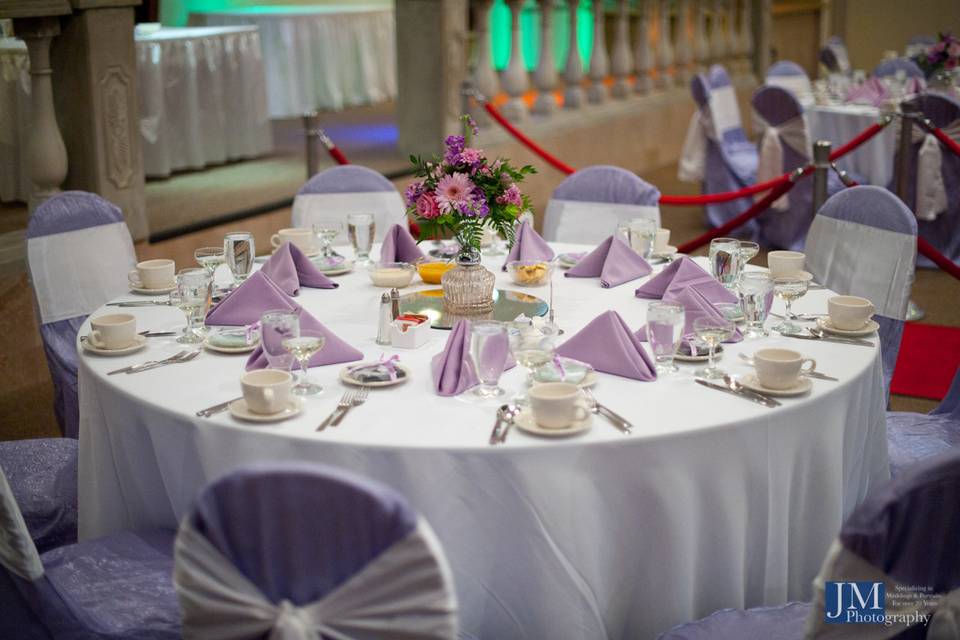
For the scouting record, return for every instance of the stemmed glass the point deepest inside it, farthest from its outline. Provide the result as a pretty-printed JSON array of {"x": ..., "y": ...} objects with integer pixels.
[
  {"x": 712, "y": 331},
  {"x": 192, "y": 296},
  {"x": 275, "y": 327},
  {"x": 532, "y": 347},
  {"x": 239, "y": 252},
  {"x": 327, "y": 231},
  {"x": 488, "y": 348},
  {"x": 748, "y": 251},
  {"x": 361, "y": 228},
  {"x": 665, "y": 322},
  {"x": 755, "y": 289},
  {"x": 788, "y": 289},
  {"x": 303, "y": 347},
  {"x": 725, "y": 261}
]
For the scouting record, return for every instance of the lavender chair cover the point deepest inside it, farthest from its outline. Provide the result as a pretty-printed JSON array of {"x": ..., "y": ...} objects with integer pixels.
[
  {"x": 863, "y": 242},
  {"x": 302, "y": 551},
  {"x": 78, "y": 253},
  {"x": 914, "y": 436},
  {"x": 834, "y": 56},
  {"x": 335, "y": 193},
  {"x": 790, "y": 76},
  {"x": 763, "y": 623},
  {"x": 890, "y": 68},
  {"x": 42, "y": 474},
  {"x": 716, "y": 150},
  {"x": 587, "y": 206}
]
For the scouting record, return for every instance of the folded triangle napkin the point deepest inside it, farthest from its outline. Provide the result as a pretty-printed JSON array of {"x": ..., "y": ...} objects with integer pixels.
[
  {"x": 528, "y": 245},
  {"x": 452, "y": 368},
  {"x": 334, "y": 350},
  {"x": 249, "y": 301},
  {"x": 609, "y": 346},
  {"x": 681, "y": 273},
  {"x": 695, "y": 305},
  {"x": 290, "y": 268},
  {"x": 614, "y": 261},
  {"x": 399, "y": 246}
]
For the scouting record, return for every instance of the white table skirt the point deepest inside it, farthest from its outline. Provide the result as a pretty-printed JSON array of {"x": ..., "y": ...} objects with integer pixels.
[
  {"x": 321, "y": 57},
  {"x": 841, "y": 123},
  {"x": 713, "y": 501}
]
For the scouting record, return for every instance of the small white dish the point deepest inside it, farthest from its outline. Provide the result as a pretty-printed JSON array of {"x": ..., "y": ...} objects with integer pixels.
[
  {"x": 346, "y": 266},
  {"x": 578, "y": 373},
  {"x": 139, "y": 343},
  {"x": 803, "y": 385},
  {"x": 346, "y": 376},
  {"x": 568, "y": 260},
  {"x": 238, "y": 409},
  {"x": 153, "y": 292},
  {"x": 219, "y": 349},
  {"x": 868, "y": 329},
  {"x": 525, "y": 422},
  {"x": 680, "y": 357},
  {"x": 667, "y": 252}
]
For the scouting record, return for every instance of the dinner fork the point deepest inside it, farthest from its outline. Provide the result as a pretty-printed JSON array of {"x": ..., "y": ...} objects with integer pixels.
[
  {"x": 358, "y": 399},
  {"x": 345, "y": 401},
  {"x": 184, "y": 358}
]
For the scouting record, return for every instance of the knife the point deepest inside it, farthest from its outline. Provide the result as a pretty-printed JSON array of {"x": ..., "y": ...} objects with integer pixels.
[
  {"x": 767, "y": 402},
  {"x": 819, "y": 376},
  {"x": 217, "y": 408},
  {"x": 853, "y": 341}
]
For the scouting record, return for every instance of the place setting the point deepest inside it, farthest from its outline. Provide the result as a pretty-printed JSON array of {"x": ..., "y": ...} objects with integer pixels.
[{"x": 153, "y": 277}]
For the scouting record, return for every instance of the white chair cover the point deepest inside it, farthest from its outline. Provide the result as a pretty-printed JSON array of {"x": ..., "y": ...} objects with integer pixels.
[
  {"x": 794, "y": 134},
  {"x": 18, "y": 554},
  {"x": 386, "y": 206},
  {"x": 590, "y": 222},
  {"x": 931, "y": 188},
  {"x": 722, "y": 115}
]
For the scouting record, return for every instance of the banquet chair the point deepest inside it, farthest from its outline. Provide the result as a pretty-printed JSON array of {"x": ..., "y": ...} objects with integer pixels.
[
  {"x": 116, "y": 587},
  {"x": 42, "y": 474},
  {"x": 790, "y": 76},
  {"x": 863, "y": 242},
  {"x": 716, "y": 151},
  {"x": 301, "y": 546},
  {"x": 834, "y": 56},
  {"x": 904, "y": 533},
  {"x": 914, "y": 436},
  {"x": 587, "y": 206},
  {"x": 890, "y": 68},
  {"x": 79, "y": 252},
  {"x": 334, "y": 193}
]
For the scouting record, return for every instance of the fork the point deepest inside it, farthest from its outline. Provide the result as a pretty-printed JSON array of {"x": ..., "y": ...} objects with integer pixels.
[
  {"x": 179, "y": 354},
  {"x": 358, "y": 400},
  {"x": 184, "y": 358},
  {"x": 345, "y": 401}
]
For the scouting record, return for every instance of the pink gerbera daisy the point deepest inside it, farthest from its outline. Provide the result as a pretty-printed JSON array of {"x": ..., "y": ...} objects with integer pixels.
[{"x": 453, "y": 189}]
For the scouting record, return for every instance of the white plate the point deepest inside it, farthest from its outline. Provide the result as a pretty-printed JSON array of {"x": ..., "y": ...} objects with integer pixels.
[
  {"x": 347, "y": 378},
  {"x": 525, "y": 422},
  {"x": 153, "y": 292},
  {"x": 244, "y": 349},
  {"x": 870, "y": 328},
  {"x": 140, "y": 342},
  {"x": 679, "y": 357},
  {"x": 238, "y": 409},
  {"x": 803, "y": 385},
  {"x": 345, "y": 267}
]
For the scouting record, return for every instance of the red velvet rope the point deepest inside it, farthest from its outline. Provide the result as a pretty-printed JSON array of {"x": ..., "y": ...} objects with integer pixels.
[
  {"x": 530, "y": 144},
  {"x": 942, "y": 137},
  {"x": 938, "y": 258},
  {"x": 337, "y": 155},
  {"x": 727, "y": 196}
]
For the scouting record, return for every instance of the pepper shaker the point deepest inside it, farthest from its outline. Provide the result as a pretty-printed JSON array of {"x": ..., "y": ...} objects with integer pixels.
[
  {"x": 394, "y": 303},
  {"x": 383, "y": 328}
]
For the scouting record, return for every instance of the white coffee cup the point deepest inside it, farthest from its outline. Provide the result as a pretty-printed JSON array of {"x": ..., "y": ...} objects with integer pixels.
[
  {"x": 663, "y": 240},
  {"x": 556, "y": 405},
  {"x": 153, "y": 274},
  {"x": 302, "y": 238},
  {"x": 113, "y": 331},
  {"x": 782, "y": 263},
  {"x": 849, "y": 312},
  {"x": 266, "y": 391},
  {"x": 781, "y": 368}
]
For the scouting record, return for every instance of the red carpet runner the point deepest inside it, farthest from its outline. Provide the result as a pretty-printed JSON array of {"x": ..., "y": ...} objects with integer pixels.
[{"x": 929, "y": 355}]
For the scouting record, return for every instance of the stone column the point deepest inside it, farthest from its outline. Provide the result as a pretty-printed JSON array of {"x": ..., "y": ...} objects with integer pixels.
[
  {"x": 514, "y": 78},
  {"x": 664, "y": 46},
  {"x": 746, "y": 38},
  {"x": 762, "y": 25},
  {"x": 545, "y": 77},
  {"x": 732, "y": 42},
  {"x": 684, "y": 43},
  {"x": 642, "y": 51},
  {"x": 701, "y": 44},
  {"x": 599, "y": 63},
  {"x": 622, "y": 64},
  {"x": 573, "y": 71},
  {"x": 484, "y": 75},
  {"x": 431, "y": 64},
  {"x": 718, "y": 49}
]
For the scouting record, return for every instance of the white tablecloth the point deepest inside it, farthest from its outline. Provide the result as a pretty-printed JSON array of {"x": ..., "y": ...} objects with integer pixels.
[
  {"x": 841, "y": 123},
  {"x": 320, "y": 57},
  {"x": 713, "y": 501}
]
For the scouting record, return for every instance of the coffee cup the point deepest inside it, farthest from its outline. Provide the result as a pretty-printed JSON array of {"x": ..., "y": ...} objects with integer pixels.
[
  {"x": 153, "y": 274},
  {"x": 113, "y": 331},
  {"x": 783, "y": 263},
  {"x": 781, "y": 368},
  {"x": 302, "y": 238},
  {"x": 662, "y": 241},
  {"x": 556, "y": 405},
  {"x": 266, "y": 391},
  {"x": 849, "y": 313}
]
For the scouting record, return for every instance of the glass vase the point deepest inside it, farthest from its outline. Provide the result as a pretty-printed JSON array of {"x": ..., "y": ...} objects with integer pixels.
[{"x": 468, "y": 287}]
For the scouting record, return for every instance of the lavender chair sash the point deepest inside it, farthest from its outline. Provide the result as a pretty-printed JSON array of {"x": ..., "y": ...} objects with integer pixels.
[
  {"x": 218, "y": 601},
  {"x": 590, "y": 222},
  {"x": 386, "y": 207},
  {"x": 931, "y": 188},
  {"x": 18, "y": 554},
  {"x": 794, "y": 134}
]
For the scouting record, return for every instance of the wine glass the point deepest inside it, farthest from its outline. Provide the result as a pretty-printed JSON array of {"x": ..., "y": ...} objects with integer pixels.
[
  {"x": 209, "y": 258},
  {"x": 665, "y": 322},
  {"x": 361, "y": 228},
  {"x": 725, "y": 261},
  {"x": 532, "y": 347},
  {"x": 327, "y": 231},
  {"x": 788, "y": 289},
  {"x": 239, "y": 252},
  {"x": 712, "y": 331},
  {"x": 192, "y": 296},
  {"x": 748, "y": 251},
  {"x": 275, "y": 327},
  {"x": 303, "y": 347},
  {"x": 488, "y": 348},
  {"x": 755, "y": 296}
]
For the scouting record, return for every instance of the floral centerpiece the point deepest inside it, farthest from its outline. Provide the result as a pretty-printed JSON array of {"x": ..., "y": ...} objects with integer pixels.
[{"x": 940, "y": 58}]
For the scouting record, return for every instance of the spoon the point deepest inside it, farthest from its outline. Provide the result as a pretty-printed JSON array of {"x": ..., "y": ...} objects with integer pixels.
[{"x": 507, "y": 413}]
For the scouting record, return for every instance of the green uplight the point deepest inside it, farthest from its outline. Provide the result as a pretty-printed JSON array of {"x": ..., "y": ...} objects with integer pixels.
[{"x": 530, "y": 33}]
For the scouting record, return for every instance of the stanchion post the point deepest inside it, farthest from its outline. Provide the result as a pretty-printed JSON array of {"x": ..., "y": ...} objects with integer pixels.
[
  {"x": 908, "y": 113},
  {"x": 821, "y": 165},
  {"x": 311, "y": 134}
]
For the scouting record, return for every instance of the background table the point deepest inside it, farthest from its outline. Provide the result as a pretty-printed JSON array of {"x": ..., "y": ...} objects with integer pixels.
[
  {"x": 320, "y": 57},
  {"x": 712, "y": 502},
  {"x": 841, "y": 123}
]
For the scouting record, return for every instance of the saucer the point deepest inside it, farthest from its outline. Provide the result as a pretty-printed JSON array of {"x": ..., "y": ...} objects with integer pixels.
[
  {"x": 668, "y": 251},
  {"x": 138, "y": 344},
  {"x": 750, "y": 381},
  {"x": 153, "y": 292},
  {"x": 680, "y": 357},
  {"x": 568, "y": 260},
  {"x": 346, "y": 376},
  {"x": 220, "y": 349},
  {"x": 525, "y": 422},
  {"x": 238, "y": 409},
  {"x": 342, "y": 267},
  {"x": 868, "y": 329}
]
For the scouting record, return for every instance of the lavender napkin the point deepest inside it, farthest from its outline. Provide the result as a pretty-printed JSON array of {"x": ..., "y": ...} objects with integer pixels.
[
  {"x": 290, "y": 268},
  {"x": 614, "y": 261},
  {"x": 872, "y": 92},
  {"x": 335, "y": 350},
  {"x": 249, "y": 301},
  {"x": 682, "y": 273},
  {"x": 528, "y": 245},
  {"x": 695, "y": 305},
  {"x": 399, "y": 246},
  {"x": 453, "y": 370},
  {"x": 609, "y": 346}
]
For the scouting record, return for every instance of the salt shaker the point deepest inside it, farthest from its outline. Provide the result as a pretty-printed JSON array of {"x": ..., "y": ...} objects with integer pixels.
[
  {"x": 394, "y": 303},
  {"x": 386, "y": 317}
]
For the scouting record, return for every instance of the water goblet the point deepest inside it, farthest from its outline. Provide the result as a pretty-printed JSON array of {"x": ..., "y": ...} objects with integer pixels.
[
  {"x": 275, "y": 327},
  {"x": 532, "y": 347},
  {"x": 640, "y": 234},
  {"x": 192, "y": 296},
  {"x": 326, "y": 232},
  {"x": 303, "y": 347},
  {"x": 239, "y": 252},
  {"x": 725, "y": 261},
  {"x": 488, "y": 348},
  {"x": 712, "y": 331},
  {"x": 209, "y": 258},
  {"x": 665, "y": 322},
  {"x": 361, "y": 228},
  {"x": 788, "y": 289},
  {"x": 756, "y": 289}
]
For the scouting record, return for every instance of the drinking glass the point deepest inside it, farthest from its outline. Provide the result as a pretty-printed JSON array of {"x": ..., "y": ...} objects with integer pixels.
[
  {"x": 532, "y": 347},
  {"x": 712, "y": 331},
  {"x": 488, "y": 348},
  {"x": 725, "y": 262},
  {"x": 326, "y": 232},
  {"x": 748, "y": 251},
  {"x": 665, "y": 324},
  {"x": 788, "y": 289},
  {"x": 303, "y": 347},
  {"x": 361, "y": 228},
  {"x": 275, "y": 327},
  {"x": 192, "y": 296},
  {"x": 209, "y": 258},
  {"x": 640, "y": 234},
  {"x": 239, "y": 251},
  {"x": 756, "y": 289}
]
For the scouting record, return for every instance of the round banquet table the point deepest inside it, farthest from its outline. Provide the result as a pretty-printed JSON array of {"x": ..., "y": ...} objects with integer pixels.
[
  {"x": 711, "y": 502},
  {"x": 320, "y": 57},
  {"x": 840, "y": 123}
]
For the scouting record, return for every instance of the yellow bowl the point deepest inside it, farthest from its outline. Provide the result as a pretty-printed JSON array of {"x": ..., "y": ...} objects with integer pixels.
[{"x": 431, "y": 272}]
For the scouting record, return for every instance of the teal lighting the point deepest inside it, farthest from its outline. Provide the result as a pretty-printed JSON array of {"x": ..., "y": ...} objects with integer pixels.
[{"x": 530, "y": 33}]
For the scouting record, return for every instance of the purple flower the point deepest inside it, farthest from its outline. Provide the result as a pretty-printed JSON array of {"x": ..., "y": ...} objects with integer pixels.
[
  {"x": 412, "y": 193},
  {"x": 455, "y": 145},
  {"x": 474, "y": 129},
  {"x": 471, "y": 156},
  {"x": 453, "y": 190},
  {"x": 511, "y": 196},
  {"x": 427, "y": 207}
]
